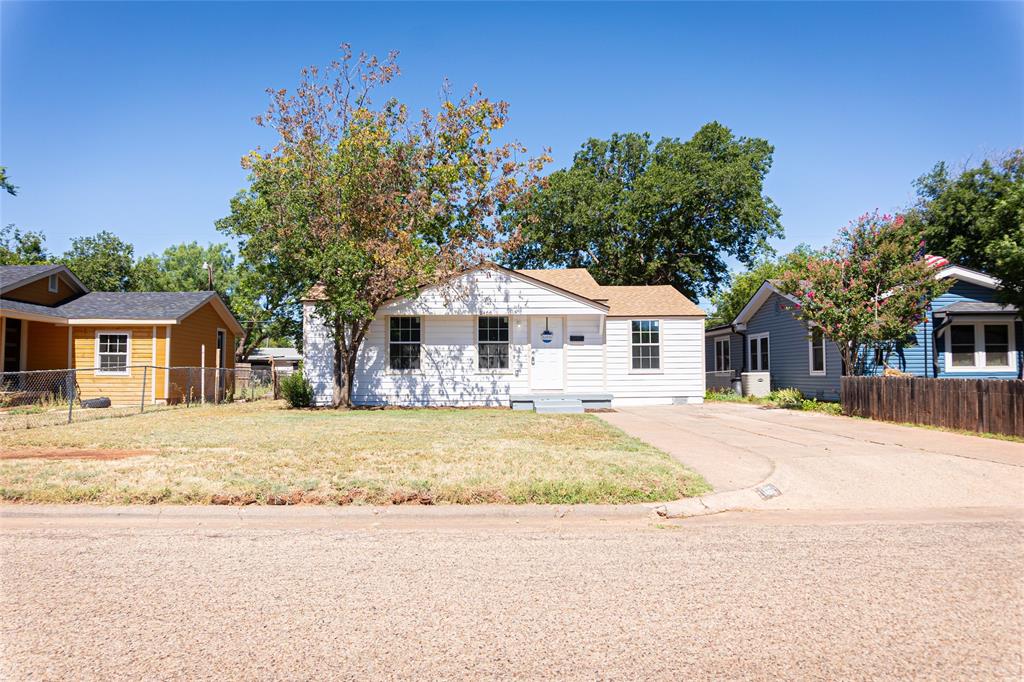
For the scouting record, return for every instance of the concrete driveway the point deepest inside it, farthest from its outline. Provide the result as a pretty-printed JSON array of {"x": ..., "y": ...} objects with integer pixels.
[{"x": 822, "y": 462}]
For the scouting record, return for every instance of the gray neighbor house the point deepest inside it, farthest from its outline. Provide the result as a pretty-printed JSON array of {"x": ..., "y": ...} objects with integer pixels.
[{"x": 967, "y": 334}]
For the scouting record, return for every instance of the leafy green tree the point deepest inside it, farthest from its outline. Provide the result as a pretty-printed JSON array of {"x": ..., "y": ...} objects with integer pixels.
[
  {"x": 371, "y": 205},
  {"x": 974, "y": 218},
  {"x": 668, "y": 213},
  {"x": 868, "y": 289},
  {"x": 103, "y": 262},
  {"x": 183, "y": 267},
  {"x": 22, "y": 248},
  {"x": 728, "y": 302},
  {"x": 5, "y": 182}
]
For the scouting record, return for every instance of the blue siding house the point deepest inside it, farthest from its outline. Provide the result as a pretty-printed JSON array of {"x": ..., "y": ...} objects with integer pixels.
[{"x": 967, "y": 335}]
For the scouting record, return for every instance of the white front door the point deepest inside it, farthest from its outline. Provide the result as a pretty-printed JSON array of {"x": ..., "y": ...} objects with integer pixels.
[{"x": 546, "y": 354}]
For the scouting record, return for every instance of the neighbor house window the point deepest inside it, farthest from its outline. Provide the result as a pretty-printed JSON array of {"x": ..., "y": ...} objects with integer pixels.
[
  {"x": 112, "y": 353},
  {"x": 404, "y": 346},
  {"x": 757, "y": 358},
  {"x": 646, "y": 344},
  {"x": 980, "y": 345},
  {"x": 816, "y": 349},
  {"x": 722, "y": 362},
  {"x": 52, "y": 284},
  {"x": 961, "y": 340},
  {"x": 997, "y": 345},
  {"x": 492, "y": 342}
]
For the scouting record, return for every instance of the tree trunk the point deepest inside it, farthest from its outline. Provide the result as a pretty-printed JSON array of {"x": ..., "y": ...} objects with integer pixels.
[{"x": 342, "y": 393}]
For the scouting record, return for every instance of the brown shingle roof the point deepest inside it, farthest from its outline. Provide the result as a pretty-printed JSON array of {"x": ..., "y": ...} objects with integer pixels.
[
  {"x": 621, "y": 300},
  {"x": 576, "y": 280}
]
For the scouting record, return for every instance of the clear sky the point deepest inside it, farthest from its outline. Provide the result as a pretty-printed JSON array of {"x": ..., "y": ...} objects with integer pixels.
[{"x": 133, "y": 117}]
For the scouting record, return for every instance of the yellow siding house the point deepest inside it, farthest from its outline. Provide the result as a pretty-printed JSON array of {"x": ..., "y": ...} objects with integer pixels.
[{"x": 114, "y": 340}]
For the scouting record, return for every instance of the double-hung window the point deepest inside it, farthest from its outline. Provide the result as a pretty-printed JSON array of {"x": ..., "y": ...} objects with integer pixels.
[
  {"x": 112, "y": 352},
  {"x": 492, "y": 342},
  {"x": 757, "y": 358},
  {"x": 722, "y": 361},
  {"x": 404, "y": 343},
  {"x": 646, "y": 344},
  {"x": 816, "y": 351},
  {"x": 980, "y": 346}
]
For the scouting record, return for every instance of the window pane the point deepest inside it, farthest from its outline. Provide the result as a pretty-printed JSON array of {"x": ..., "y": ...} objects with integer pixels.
[
  {"x": 636, "y": 325},
  {"x": 764, "y": 354},
  {"x": 997, "y": 345},
  {"x": 754, "y": 365},
  {"x": 962, "y": 344}
]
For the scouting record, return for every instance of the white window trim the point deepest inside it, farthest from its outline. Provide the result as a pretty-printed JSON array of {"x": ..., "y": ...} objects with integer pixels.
[
  {"x": 810, "y": 355},
  {"x": 979, "y": 365},
  {"x": 629, "y": 346},
  {"x": 750, "y": 360},
  {"x": 96, "y": 353},
  {"x": 476, "y": 346},
  {"x": 387, "y": 346},
  {"x": 53, "y": 283},
  {"x": 727, "y": 342}
]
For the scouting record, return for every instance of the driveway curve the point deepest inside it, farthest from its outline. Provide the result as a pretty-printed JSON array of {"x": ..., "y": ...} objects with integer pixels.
[{"x": 823, "y": 462}]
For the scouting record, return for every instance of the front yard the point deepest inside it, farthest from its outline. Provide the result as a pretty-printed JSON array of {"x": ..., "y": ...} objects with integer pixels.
[{"x": 262, "y": 453}]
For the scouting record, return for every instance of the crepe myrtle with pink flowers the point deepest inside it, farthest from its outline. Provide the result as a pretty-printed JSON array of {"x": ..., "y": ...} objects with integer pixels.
[{"x": 869, "y": 289}]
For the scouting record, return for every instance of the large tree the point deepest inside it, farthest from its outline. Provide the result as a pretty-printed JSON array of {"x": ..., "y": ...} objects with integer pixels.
[
  {"x": 869, "y": 289},
  {"x": 974, "y": 218},
  {"x": 22, "y": 248},
  {"x": 633, "y": 212},
  {"x": 729, "y": 301},
  {"x": 103, "y": 262},
  {"x": 183, "y": 267},
  {"x": 370, "y": 204},
  {"x": 5, "y": 182}
]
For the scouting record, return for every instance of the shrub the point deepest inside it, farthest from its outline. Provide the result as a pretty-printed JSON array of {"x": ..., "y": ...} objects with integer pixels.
[
  {"x": 297, "y": 390},
  {"x": 788, "y": 398}
]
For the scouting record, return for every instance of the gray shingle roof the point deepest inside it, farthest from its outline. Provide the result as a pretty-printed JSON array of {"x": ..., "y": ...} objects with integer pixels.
[
  {"x": 11, "y": 275},
  {"x": 134, "y": 305},
  {"x": 18, "y": 306},
  {"x": 977, "y": 307}
]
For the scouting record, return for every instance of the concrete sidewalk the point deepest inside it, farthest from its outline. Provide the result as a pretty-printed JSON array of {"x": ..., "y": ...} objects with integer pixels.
[{"x": 822, "y": 462}]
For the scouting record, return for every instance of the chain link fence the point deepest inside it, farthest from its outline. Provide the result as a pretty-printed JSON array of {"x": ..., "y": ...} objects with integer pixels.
[{"x": 66, "y": 396}]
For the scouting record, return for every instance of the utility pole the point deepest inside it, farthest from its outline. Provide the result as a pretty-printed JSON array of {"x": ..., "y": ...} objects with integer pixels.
[{"x": 209, "y": 270}]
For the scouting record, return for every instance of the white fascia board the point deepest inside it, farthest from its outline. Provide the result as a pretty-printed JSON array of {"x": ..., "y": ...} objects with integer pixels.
[
  {"x": 756, "y": 301},
  {"x": 967, "y": 275},
  {"x": 85, "y": 321}
]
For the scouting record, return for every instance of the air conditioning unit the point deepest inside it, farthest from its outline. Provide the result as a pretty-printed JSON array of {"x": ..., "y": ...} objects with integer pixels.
[{"x": 757, "y": 384}]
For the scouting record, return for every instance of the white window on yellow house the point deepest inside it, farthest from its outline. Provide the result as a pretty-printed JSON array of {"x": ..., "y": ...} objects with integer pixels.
[{"x": 112, "y": 352}]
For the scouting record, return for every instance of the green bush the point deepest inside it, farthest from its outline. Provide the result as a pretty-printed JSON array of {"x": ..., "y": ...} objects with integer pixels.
[
  {"x": 297, "y": 390},
  {"x": 821, "y": 406},
  {"x": 788, "y": 398}
]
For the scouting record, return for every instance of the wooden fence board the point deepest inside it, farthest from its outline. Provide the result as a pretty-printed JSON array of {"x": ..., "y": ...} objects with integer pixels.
[{"x": 983, "y": 405}]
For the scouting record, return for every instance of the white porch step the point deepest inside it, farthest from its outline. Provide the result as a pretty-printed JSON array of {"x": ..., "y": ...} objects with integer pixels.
[{"x": 558, "y": 406}]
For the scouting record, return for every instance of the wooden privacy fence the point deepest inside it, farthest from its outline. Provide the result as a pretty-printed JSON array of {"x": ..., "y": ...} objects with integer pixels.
[{"x": 983, "y": 405}]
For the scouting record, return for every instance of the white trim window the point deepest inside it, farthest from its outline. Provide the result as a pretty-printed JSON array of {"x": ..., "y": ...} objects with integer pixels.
[
  {"x": 980, "y": 346},
  {"x": 758, "y": 355},
  {"x": 492, "y": 342},
  {"x": 722, "y": 350},
  {"x": 646, "y": 345},
  {"x": 816, "y": 352},
  {"x": 404, "y": 343},
  {"x": 113, "y": 349},
  {"x": 53, "y": 284}
]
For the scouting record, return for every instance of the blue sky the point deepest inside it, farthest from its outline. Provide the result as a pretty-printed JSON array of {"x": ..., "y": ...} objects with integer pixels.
[{"x": 133, "y": 117}]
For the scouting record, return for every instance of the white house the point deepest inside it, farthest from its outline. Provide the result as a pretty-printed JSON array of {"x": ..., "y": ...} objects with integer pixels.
[{"x": 551, "y": 339}]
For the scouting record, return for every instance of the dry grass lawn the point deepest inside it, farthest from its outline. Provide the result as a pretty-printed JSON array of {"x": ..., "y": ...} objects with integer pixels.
[{"x": 263, "y": 453}]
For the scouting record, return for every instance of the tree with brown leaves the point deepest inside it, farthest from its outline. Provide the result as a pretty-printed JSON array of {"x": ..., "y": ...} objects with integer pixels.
[{"x": 369, "y": 203}]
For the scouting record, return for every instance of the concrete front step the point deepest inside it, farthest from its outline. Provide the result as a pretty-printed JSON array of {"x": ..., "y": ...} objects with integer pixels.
[
  {"x": 530, "y": 401},
  {"x": 558, "y": 406}
]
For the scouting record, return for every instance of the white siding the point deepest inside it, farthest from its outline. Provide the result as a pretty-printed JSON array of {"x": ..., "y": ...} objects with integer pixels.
[
  {"x": 681, "y": 377},
  {"x": 491, "y": 292},
  {"x": 317, "y": 355},
  {"x": 448, "y": 373},
  {"x": 584, "y": 366}
]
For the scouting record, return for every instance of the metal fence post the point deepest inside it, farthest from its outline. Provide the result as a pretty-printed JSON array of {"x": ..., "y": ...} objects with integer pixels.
[
  {"x": 142, "y": 399},
  {"x": 71, "y": 393}
]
